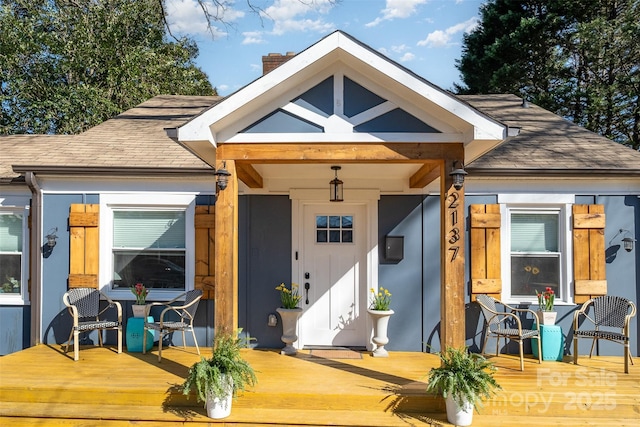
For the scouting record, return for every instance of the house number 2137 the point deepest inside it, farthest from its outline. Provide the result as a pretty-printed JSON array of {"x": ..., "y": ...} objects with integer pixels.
[{"x": 454, "y": 231}]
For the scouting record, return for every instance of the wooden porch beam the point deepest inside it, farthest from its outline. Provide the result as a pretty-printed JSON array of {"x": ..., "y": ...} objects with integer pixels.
[
  {"x": 425, "y": 175},
  {"x": 327, "y": 153},
  {"x": 452, "y": 254},
  {"x": 249, "y": 175},
  {"x": 226, "y": 253}
]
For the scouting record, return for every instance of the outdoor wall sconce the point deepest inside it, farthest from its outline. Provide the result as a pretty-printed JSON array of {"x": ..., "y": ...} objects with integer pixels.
[
  {"x": 273, "y": 320},
  {"x": 335, "y": 186},
  {"x": 458, "y": 176},
  {"x": 627, "y": 240},
  {"x": 51, "y": 237},
  {"x": 222, "y": 176}
]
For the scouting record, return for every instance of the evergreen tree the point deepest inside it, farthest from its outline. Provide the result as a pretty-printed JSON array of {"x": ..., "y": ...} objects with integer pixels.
[{"x": 578, "y": 59}]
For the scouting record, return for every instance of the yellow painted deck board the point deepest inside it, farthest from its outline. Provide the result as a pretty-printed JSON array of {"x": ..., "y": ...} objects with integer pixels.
[{"x": 43, "y": 386}]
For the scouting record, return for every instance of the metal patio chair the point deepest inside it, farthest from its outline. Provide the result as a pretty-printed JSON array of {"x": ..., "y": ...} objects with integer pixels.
[
  {"x": 507, "y": 324},
  {"x": 611, "y": 316},
  {"x": 84, "y": 307},
  {"x": 186, "y": 313}
]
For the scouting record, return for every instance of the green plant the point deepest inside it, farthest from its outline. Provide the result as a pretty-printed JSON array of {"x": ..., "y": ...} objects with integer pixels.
[
  {"x": 289, "y": 297},
  {"x": 546, "y": 299},
  {"x": 464, "y": 376},
  {"x": 140, "y": 292},
  {"x": 381, "y": 300},
  {"x": 210, "y": 376}
]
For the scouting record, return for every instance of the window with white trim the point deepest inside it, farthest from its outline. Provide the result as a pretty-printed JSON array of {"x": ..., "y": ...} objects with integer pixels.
[
  {"x": 149, "y": 247},
  {"x": 11, "y": 226},
  {"x": 536, "y": 244},
  {"x": 145, "y": 242}
]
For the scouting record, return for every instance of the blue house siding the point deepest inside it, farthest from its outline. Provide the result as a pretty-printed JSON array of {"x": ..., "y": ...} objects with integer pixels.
[
  {"x": 15, "y": 329},
  {"x": 265, "y": 262}
]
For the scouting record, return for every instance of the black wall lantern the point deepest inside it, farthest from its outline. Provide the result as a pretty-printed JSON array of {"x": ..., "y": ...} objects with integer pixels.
[
  {"x": 335, "y": 186},
  {"x": 222, "y": 176},
  {"x": 458, "y": 175},
  {"x": 627, "y": 240},
  {"x": 51, "y": 237}
]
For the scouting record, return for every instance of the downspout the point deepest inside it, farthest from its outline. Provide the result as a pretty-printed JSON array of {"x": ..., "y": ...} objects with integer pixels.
[{"x": 35, "y": 259}]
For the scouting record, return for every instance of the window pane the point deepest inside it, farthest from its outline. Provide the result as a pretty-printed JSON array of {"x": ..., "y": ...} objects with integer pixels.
[
  {"x": 10, "y": 275},
  {"x": 534, "y": 232},
  {"x": 10, "y": 233},
  {"x": 334, "y": 221},
  {"x": 531, "y": 273},
  {"x": 334, "y": 236},
  {"x": 321, "y": 236},
  {"x": 149, "y": 229},
  {"x": 321, "y": 222},
  {"x": 347, "y": 222},
  {"x": 347, "y": 236},
  {"x": 152, "y": 268}
]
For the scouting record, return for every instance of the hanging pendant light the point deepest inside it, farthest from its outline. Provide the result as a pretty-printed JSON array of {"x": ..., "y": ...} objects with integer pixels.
[{"x": 335, "y": 186}]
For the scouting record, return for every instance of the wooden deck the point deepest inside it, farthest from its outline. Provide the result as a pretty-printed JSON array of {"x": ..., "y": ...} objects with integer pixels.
[{"x": 42, "y": 386}]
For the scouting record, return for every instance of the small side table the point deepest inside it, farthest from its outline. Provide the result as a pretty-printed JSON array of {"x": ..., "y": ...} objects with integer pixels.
[
  {"x": 135, "y": 329},
  {"x": 552, "y": 343}
]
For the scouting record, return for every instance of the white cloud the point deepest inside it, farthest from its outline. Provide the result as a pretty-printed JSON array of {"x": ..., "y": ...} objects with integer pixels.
[
  {"x": 253, "y": 37},
  {"x": 289, "y": 16},
  {"x": 187, "y": 17},
  {"x": 407, "y": 57},
  {"x": 440, "y": 38},
  {"x": 397, "y": 9}
]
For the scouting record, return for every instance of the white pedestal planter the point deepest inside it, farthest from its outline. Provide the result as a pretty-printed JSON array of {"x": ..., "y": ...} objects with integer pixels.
[
  {"x": 457, "y": 415},
  {"x": 380, "y": 324},
  {"x": 289, "y": 317},
  {"x": 220, "y": 407}
]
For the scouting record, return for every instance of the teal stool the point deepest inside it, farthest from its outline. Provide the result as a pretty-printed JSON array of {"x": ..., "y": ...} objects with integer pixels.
[
  {"x": 552, "y": 343},
  {"x": 135, "y": 329}
]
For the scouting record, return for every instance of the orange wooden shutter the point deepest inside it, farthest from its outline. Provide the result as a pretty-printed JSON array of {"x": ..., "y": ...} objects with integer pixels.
[
  {"x": 204, "y": 222},
  {"x": 589, "y": 263},
  {"x": 84, "y": 246},
  {"x": 485, "y": 250}
]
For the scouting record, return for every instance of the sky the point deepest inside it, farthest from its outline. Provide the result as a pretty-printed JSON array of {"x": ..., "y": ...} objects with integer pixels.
[{"x": 424, "y": 36}]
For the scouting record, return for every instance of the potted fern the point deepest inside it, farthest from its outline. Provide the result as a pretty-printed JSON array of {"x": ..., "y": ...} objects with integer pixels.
[
  {"x": 464, "y": 379},
  {"x": 218, "y": 380}
]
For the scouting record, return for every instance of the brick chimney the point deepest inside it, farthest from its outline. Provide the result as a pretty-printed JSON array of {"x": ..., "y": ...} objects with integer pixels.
[{"x": 274, "y": 60}]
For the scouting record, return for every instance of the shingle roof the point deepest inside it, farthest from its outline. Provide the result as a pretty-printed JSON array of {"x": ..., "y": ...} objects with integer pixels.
[
  {"x": 133, "y": 139},
  {"x": 547, "y": 143}
]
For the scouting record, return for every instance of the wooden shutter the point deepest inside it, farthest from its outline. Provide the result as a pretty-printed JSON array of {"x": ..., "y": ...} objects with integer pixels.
[
  {"x": 589, "y": 263},
  {"x": 84, "y": 246},
  {"x": 485, "y": 250},
  {"x": 204, "y": 221}
]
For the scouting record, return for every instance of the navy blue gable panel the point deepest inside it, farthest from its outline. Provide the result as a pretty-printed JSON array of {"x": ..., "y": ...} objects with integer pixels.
[
  {"x": 396, "y": 120},
  {"x": 320, "y": 96},
  {"x": 358, "y": 99},
  {"x": 281, "y": 121}
]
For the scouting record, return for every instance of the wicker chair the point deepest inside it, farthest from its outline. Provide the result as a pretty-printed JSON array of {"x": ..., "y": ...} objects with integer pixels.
[
  {"x": 84, "y": 307},
  {"x": 611, "y": 316},
  {"x": 507, "y": 324},
  {"x": 186, "y": 313}
]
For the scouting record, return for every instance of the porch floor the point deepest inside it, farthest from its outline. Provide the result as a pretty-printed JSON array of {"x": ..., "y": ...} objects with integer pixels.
[{"x": 43, "y": 386}]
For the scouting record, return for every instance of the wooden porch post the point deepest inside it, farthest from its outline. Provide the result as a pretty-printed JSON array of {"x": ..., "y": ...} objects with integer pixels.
[
  {"x": 226, "y": 244},
  {"x": 452, "y": 224}
]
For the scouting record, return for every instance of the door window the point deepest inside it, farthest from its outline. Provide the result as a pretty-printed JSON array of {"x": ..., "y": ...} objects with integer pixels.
[{"x": 334, "y": 229}]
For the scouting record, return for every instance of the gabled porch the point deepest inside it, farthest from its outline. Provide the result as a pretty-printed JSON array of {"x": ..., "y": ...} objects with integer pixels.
[{"x": 41, "y": 385}]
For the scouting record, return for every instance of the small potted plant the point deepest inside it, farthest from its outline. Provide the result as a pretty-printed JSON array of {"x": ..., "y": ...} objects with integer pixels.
[
  {"x": 546, "y": 315},
  {"x": 289, "y": 313},
  {"x": 218, "y": 380},
  {"x": 140, "y": 306},
  {"x": 464, "y": 379},
  {"x": 380, "y": 313}
]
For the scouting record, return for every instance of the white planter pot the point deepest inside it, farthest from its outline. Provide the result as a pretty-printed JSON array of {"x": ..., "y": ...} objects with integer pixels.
[
  {"x": 289, "y": 317},
  {"x": 380, "y": 320},
  {"x": 139, "y": 310},
  {"x": 547, "y": 317},
  {"x": 457, "y": 415},
  {"x": 220, "y": 407}
]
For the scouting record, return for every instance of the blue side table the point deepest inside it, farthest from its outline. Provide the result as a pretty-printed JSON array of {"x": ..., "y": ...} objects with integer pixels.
[
  {"x": 135, "y": 329},
  {"x": 552, "y": 343}
]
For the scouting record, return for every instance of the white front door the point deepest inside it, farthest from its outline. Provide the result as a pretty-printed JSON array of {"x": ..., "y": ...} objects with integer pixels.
[{"x": 334, "y": 269}]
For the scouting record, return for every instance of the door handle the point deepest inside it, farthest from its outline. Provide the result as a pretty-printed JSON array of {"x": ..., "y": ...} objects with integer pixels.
[{"x": 306, "y": 289}]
